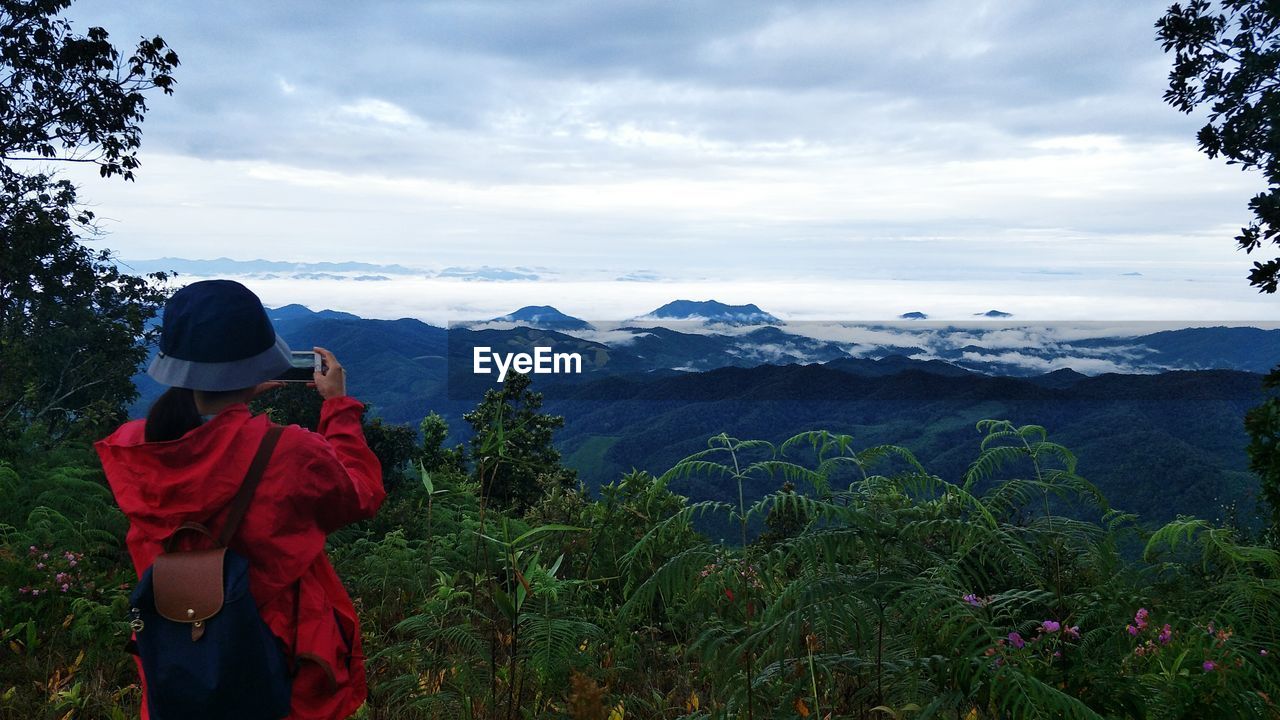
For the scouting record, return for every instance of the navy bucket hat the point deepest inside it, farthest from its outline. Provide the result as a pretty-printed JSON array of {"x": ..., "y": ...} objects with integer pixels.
[{"x": 216, "y": 336}]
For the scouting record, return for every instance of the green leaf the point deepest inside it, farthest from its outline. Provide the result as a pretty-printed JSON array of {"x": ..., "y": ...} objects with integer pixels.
[
  {"x": 426, "y": 479},
  {"x": 546, "y": 528},
  {"x": 503, "y": 601}
]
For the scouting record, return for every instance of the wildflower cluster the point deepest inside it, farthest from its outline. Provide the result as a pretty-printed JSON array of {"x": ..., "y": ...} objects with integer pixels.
[
  {"x": 1049, "y": 639},
  {"x": 1220, "y": 652},
  {"x": 1142, "y": 626},
  {"x": 1213, "y": 649},
  {"x": 745, "y": 576},
  {"x": 748, "y": 576},
  {"x": 57, "y": 572}
]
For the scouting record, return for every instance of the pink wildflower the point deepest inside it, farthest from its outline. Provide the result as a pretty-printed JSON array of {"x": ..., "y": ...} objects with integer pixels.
[
  {"x": 1141, "y": 618},
  {"x": 1166, "y": 634},
  {"x": 1050, "y": 626},
  {"x": 1016, "y": 640},
  {"x": 1209, "y": 666}
]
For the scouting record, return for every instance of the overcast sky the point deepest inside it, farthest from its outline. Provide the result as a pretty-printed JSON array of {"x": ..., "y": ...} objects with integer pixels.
[{"x": 834, "y": 159}]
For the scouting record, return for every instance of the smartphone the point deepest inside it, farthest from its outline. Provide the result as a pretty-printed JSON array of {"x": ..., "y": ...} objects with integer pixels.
[{"x": 304, "y": 364}]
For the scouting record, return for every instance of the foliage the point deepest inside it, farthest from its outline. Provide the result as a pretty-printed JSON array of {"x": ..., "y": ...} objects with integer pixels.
[
  {"x": 70, "y": 97},
  {"x": 514, "y": 457},
  {"x": 1262, "y": 423},
  {"x": 293, "y": 404},
  {"x": 70, "y": 321},
  {"x": 1227, "y": 56},
  {"x": 434, "y": 455},
  {"x": 877, "y": 589},
  {"x": 396, "y": 447},
  {"x": 64, "y": 579}
]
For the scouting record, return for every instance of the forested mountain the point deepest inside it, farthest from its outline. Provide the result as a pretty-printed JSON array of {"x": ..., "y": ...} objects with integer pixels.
[
  {"x": 1158, "y": 444},
  {"x": 631, "y": 408}
]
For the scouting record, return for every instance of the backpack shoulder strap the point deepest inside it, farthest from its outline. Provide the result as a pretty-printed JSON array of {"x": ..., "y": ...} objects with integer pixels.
[{"x": 240, "y": 503}]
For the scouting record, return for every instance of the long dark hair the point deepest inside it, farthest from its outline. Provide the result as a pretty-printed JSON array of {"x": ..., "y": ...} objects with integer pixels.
[
  {"x": 172, "y": 415},
  {"x": 175, "y": 413}
]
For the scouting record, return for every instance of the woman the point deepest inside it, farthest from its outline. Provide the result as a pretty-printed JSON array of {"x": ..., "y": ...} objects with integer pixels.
[{"x": 186, "y": 460}]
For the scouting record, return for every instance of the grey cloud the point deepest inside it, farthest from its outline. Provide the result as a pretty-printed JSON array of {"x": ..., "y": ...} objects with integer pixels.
[{"x": 938, "y": 77}]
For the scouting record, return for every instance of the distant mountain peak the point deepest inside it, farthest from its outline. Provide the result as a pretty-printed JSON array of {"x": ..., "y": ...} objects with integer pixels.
[
  {"x": 715, "y": 312},
  {"x": 914, "y": 315},
  {"x": 544, "y": 317},
  {"x": 294, "y": 310},
  {"x": 224, "y": 266},
  {"x": 485, "y": 272},
  {"x": 995, "y": 314}
]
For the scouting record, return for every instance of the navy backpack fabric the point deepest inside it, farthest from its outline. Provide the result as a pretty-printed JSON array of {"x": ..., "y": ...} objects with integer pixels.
[{"x": 237, "y": 670}]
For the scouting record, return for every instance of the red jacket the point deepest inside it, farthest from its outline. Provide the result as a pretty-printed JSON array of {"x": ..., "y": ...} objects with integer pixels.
[{"x": 315, "y": 483}]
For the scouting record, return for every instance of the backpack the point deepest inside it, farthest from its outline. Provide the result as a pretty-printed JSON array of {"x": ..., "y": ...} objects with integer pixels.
[{"x": 206, "y": 652}]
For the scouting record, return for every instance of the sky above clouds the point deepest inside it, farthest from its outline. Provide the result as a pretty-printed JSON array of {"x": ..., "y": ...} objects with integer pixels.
[{"x": 821, "y": 159}]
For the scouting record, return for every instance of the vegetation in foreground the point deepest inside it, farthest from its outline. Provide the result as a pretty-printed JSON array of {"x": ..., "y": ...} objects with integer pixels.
[{"x": 875, "y": 589}]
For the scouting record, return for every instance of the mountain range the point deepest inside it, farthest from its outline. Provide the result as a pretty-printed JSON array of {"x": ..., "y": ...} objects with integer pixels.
[
  {"x": 406, "y": 364},
  {"x": 1164, "y": 440}
]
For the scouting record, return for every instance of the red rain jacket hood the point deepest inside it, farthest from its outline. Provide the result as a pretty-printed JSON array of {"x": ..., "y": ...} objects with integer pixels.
[{"x": 315, "y": 483}]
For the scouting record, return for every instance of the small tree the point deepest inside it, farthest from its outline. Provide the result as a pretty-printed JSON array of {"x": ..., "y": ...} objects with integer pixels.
[
  {"x": 72, "y": 325},
  {"x": 515, "y": 460},
  {"x": 397, "y": 449},
  {"x": 434, "y": 455},
  {"x": 785, "y": 519}
]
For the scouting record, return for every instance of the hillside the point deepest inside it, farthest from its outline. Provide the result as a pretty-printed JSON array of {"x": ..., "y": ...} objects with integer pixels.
[
  {"x": 650, "y": 401},
  {"x": 1162, "y": 444}
]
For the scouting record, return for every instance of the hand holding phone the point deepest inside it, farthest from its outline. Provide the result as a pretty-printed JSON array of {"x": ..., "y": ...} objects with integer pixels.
[{"x": 329, "y": 377}]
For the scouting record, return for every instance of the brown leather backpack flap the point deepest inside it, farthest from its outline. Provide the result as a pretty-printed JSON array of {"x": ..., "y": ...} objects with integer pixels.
[{"x": 188, "y": 585}]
